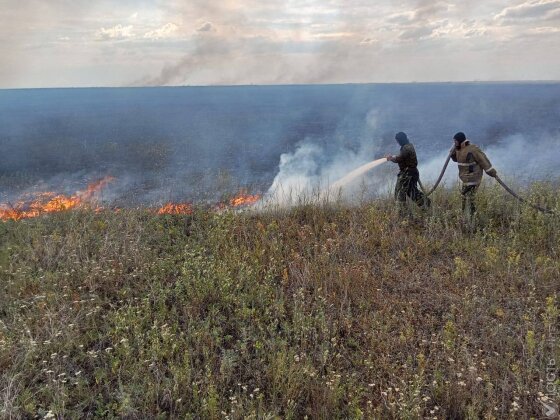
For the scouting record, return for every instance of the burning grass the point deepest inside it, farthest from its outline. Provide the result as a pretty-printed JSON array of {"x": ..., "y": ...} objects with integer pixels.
[
  {"x": 34, "y": 205},
  {"x": 37, "y": 204},
  {"x": 324, "y": 311}
]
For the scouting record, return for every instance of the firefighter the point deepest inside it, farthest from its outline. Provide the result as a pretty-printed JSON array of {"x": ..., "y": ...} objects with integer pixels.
[
  {"x": 408, "y": 177},
  {"x": 471, "y": 161}
]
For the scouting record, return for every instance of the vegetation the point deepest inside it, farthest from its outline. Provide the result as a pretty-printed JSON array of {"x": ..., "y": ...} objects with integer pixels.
[{"x": 324, "y": 311}]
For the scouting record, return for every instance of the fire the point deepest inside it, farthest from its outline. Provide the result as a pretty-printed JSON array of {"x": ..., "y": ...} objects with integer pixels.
[
  {"x": 240, "y": 200},
  {"x": 94, "y": 188},
  {"x": 33, "y": 205},
  {"x": 244, "y": 199},
  {"x": 172, "y": 208},
  {"x": 49, "y": 202}
]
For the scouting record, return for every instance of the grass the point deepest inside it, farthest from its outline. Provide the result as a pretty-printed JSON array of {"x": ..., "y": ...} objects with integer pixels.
[{"x": 324, "y": 311}]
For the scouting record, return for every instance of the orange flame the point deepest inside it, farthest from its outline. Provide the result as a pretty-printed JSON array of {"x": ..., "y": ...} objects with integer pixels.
[
  {"x": 172, "y": 208},
  {"x": 244, "y": 199},
  {"x": 49, "y": 202}
]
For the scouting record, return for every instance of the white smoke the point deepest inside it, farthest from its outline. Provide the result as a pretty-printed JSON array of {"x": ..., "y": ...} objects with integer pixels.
[
  {"x": 517, "y": 157},
  {"x": 312, "y": 168},
  {"x": 514, "y": 157}
]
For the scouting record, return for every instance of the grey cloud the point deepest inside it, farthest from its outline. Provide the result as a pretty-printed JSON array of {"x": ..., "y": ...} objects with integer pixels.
[
  {"x": 416, "y": 33},
  {"x": 430, "y": 10},
  {"x": 471, "y": 33},
  {"x": 422, "y": 13},
  {"x": 421, "y": 21},
  {"x": 530, "y": 10},
  {"x": 368, "y": 41},
  {"x": 206, "y": 27}
]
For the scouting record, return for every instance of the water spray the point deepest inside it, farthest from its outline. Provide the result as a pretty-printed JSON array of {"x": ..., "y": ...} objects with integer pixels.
[{"x": 356, "y": 173}]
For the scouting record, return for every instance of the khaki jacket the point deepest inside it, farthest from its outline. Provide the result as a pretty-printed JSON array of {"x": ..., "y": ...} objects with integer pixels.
[{"x": 472, "y": 161}]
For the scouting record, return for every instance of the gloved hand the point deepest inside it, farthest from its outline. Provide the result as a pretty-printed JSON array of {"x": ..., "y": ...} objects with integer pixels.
[
  {"x": 492, "y": 172},
  {"x": 389, "y": 157}
]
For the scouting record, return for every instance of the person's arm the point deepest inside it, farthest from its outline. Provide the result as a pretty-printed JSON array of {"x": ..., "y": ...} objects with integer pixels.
[
  {"x": 393, "y": 158},
  {"x": 453, "y": 154},
  {"x": 403, "y": 155},
  {"x": 484, "y": 162},
  {"x": 399, "y": 158}
]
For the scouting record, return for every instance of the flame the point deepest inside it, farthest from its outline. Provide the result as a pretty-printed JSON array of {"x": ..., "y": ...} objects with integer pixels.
[
  {"x": 50, "y": 202},
  {"x": 244, "y": 199},
  {"x": 33, "y": 205},
  {"x": 172, "y": 208},
  {"x": 240, "y": 200}
]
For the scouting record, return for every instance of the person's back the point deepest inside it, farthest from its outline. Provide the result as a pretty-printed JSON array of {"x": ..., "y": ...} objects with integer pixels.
[
  {"x": 407, "y": 158},
  {"x": 408, "y": 177},
  {"x": 472, "y": 162}
]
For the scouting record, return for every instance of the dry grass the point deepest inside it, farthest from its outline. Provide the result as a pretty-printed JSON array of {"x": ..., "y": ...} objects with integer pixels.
[{"x": 318, "y": 311}]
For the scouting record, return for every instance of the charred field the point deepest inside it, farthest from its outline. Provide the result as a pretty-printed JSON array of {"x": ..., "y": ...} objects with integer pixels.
[{"x": 321, "y": 310}]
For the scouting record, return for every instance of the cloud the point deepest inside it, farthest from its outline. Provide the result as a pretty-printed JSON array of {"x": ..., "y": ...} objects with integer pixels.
[
  {"x": 368, "y": 41},
  {"x": 417, "y": 33},
  {"x": 115, "y": 33},
  {"x": 544, "y": 30},
  {"x": 422, "y": 14},
  {"x": 422, "y": 22},
  {"x": 430, "y": 10},
  {"x": 275, "y": 41},
  {"x": 206, "y": 27},
  {"x": 530, "y": 10},
  {"x": 166, "y": 31}
]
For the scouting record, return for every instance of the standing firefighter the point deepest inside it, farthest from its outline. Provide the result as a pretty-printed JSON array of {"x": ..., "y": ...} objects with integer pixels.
[
  {"x": 407, "y": 180},
  {"x": 471, "y": 161}
]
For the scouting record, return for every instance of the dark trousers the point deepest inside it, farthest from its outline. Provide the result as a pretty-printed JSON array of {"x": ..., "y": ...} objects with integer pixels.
[
  {"x": 407, "y": 186},
  {"x": 468, "y": 193}
]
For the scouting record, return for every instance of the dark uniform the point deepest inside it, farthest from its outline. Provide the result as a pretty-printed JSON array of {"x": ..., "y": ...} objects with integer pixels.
[
  {"x": 408, "y": 177},
  {"x": 472, "y": 162}
]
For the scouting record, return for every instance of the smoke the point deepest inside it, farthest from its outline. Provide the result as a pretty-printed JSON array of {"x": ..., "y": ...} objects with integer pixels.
[
  {"x": 242, "y": 43},
  {"x": 317, "y": 163},
  {"x": 201, "y": 144},
  {"x": 519, "y": 157},
  {"x": 215, "y": 60},
  {"x": 207, "y": 51}
]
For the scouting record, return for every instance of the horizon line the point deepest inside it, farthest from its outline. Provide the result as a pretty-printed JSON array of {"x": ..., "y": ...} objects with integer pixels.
[{"x": 292, "y": 84}]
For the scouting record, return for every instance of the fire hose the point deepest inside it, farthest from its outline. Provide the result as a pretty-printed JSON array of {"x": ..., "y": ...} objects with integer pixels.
[
  {"x": 521, "y": 199},
  {"x": 498, "y": 179},
  {"x": 439, "y": 178}
]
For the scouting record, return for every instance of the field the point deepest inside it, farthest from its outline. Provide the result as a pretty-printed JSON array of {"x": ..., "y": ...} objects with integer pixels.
[{"x": 319, "y": 311}]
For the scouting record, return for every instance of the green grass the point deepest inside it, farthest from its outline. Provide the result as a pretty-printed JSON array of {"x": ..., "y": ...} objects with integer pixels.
[{"x": 320, "y": 311}]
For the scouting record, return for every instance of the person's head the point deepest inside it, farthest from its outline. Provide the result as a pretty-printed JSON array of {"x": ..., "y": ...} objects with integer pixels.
[
  {"x": 401, "y": 138},
  {"x": 459, "y": 139}
]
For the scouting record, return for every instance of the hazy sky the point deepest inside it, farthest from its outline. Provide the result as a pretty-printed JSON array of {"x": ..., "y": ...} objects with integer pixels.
[{"x": 46, "y": 43}]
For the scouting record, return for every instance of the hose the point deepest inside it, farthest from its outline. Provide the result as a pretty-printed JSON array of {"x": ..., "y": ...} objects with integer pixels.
[
  {"x": 439, "y": 179},
  {"x": 521, "y": 199},
  {"x": 498, "y": 179}
]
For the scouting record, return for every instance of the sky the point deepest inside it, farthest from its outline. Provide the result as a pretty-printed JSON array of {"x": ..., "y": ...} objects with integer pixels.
[{"x": 77, "y": 43}]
